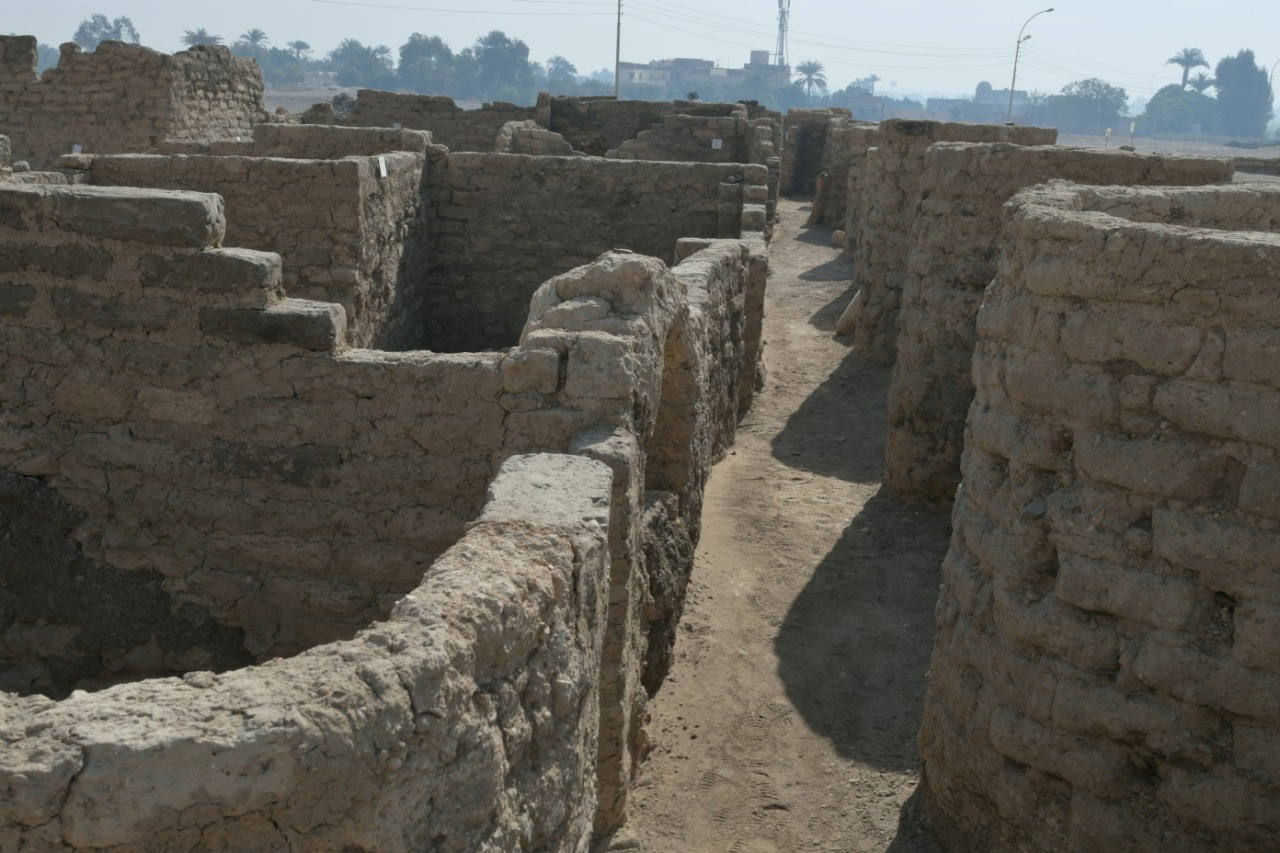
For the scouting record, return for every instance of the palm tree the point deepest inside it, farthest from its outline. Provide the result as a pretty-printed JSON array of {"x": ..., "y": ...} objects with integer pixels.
[
  {"x": 1200, "y": 82},
  {"x": 255, "y": 38},
  {"x": 1188, "y": 58},
  {"x": 813, "y": 74},
  {"x": 191, "y": 38},
  {"x": 300, "y": 48}
]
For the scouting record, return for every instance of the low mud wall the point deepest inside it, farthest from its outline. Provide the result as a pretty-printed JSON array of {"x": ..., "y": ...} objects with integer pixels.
[
  {"x": 449, "y": 124},
  {"x": 502, "y": 223},
  {"x": 197, "y": 473},
  {"x": 123, "y": 98},
  {"x": 341, "y": 228},
  {"x": 465, "y": 721},
  {"x": 954, "y": 252},
  {"x": 887, "y": 212},
  {"x": 843, "y": 157},
  {"x": 1105, "y": 670}
]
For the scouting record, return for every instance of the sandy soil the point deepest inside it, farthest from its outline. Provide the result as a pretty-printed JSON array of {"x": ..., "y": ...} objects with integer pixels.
[
  {"x": 1147, "y": 145},
  {"x": 789, "y": 719}
]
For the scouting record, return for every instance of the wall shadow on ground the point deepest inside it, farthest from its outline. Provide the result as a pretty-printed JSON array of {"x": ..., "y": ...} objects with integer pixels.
[
  {"x": 848, "y": 407},
  {"x": 855, "y": 644},
  {"x": 824, "y": 319},
  {"x": 836, "y": 269},
  {"x": 914, "y": 833}
]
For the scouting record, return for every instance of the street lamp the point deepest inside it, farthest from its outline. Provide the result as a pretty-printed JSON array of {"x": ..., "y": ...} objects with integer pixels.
[{"x": 1017, "y": 51}]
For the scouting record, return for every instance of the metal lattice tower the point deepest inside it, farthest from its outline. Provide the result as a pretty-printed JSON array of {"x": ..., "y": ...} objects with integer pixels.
[{"x": 784, "y": 15}]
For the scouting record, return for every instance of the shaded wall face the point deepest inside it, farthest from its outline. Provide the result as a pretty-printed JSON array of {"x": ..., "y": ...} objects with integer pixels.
[
  {"x": 123, "y": 98},
  {"x": 207, "y": 445},
  {"x": 340, "y": 227},
  {"x": 954, "y": 251},
  {"x": 451, "y": 126},
  {"x": 597, "y": 126},
  {"x": 503, "y": 224},
  {"x": 890, "y": 197},
  {"x": 1106, "y": 658}
]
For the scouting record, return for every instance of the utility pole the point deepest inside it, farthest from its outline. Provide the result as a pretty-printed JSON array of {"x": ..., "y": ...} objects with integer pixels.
[
  {"x": 617, "y": 58},
  {"x": 1008, "y": 119},
  {"x": 784, "y": 16}
]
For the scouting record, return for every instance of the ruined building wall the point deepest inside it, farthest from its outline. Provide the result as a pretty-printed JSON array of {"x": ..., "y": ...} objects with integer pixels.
[
  {"x": 466, "y": 721},
  {"x": 340, "y": 228},
  {"x": 123, "y": 98},
  {"x": 526, "y": 137},
  {"x": 953, "y": 257},
  {"x": 806, "y": 139},
  {"x": 1105, "y": 671},
  {"x": 597, "y": 125},
  {"x": 890, "y": 198},
  {"x": 501, "y": 224},
  {"x": 450, "y": 125},
  {"x": 691, "y": 139},
  {"x": 842, "y": 157},
  {"x": 308, "y": 142},
  {"x": 205, "y": 440},
  {"x": 208, "y": 459}
]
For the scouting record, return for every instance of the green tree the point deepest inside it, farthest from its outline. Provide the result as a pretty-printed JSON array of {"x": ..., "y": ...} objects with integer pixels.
[
  {"x": 300, "y": 49},
  {"x": 95, "y": 30},
  {"x": 358, "y": 64},
  {"x": 866, "y": 84},
  {"x": 561, "y": 74},
  {"x": 426, "y": 64},
  {"x": 1174, "y": 109},
  {"x": 504, "y": 70},
  {"x": 255, "y": 38},
  {"x": 191, "y": 38},
  {"x": 1085, "y": 106},
  {"x": 1200, "y": 82},
  {"x": 47, "y": 56},
  {"x": 812, "y": 74},
  {"x": 1188, "y": 58},
  {"x": 1244, "y": 96}
]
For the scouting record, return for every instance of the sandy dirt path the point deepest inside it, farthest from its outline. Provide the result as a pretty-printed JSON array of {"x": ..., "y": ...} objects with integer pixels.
[{"x": 789, "y": 719}]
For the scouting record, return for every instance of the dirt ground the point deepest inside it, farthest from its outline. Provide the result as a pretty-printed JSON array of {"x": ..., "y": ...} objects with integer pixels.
[{"x": 789, "y": 719}]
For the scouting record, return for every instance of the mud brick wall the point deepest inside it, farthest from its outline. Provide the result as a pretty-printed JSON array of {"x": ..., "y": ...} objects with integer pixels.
[
  {"x": 340, "y": 229},
  {"x": 450, "y": 125},
  {"x": 1105, "y": 674},
  {"x": 953, "y": 257},
  {"x": 502, "y": 224},
  {"x": 597, "y": 125},
  {"x": 691, "y": 139},
  {"x": 123, "y": 98},
  {"x": 890, "y": 199},
  {"x": 526, "y": 137},
  {"x": 466, "y": 721},
  {"x": 843, "y": 156},
  {"x": 307, "y": 142},
  {"x": 806, "y": 139}
]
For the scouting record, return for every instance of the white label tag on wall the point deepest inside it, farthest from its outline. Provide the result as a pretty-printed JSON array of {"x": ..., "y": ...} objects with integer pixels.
[
  {"x": 382, "y": 167},
  {"x": 717, "y": 144},
  {"x": 396, "y": 125},
  {"x": 77, "y": 149}
]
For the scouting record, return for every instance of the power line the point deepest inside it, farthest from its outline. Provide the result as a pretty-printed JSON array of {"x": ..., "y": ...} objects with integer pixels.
[{"x": 539, "y": 12}]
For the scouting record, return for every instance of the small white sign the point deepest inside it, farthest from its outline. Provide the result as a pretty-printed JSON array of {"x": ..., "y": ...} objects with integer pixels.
[
  {"x": 717, "y": 144},
  {"x": 77, "y": 149},
  {"x": 382, "y": 167},
  {"x": 396, "y": 125}
]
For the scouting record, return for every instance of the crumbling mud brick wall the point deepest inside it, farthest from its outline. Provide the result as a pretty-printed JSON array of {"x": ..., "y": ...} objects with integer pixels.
[
  {"x": 501, "y": 224},
  {"x": 526, "y": 137},
  {"x": 466, "y": 721},
  {"x": 340, "y": 227},
  {"x": 450, "y": 125},
  {"x": 806, "y": 139},
  {"x": 890, "y": 200},
  {"x": 213, "y": 451},
  {"x": 308, "y": 142},
  {"x": 856, "y": 166},
  {"x": 595, "y": 125},
  {"x": 123, "y": 98},
  {"x": 1105, "y": 674},
  {"x": 843, "y": 154},
  {"x": 6, "y": 158},
  {"x": 702, "y": 139},
  {"x": 953, "y": 257}
]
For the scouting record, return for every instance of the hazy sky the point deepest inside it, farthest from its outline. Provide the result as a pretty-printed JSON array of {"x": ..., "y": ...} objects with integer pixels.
[{"x": 931, "y": 48}]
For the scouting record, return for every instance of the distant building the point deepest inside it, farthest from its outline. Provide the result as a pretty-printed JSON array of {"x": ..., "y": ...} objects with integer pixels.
[
  {"x": 686, "y": 73},
  {"x": 988, "y": 105}
]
